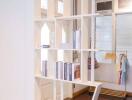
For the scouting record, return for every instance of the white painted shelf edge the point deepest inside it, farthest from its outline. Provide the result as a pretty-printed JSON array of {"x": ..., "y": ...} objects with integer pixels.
[
  {"x": 78, "y": 16},
  {"x": 89, "y": 83}
]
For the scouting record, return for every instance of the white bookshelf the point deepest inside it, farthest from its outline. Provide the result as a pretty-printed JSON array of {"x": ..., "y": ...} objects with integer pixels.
[
  {"x": 62, "y": 25},
  {"x": 65, "y": 21}
]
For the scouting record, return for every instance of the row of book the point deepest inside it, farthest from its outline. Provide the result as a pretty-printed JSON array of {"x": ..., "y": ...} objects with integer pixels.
[
  {"x": 67, "y": 71},
  {"x": 63, "y": 70}
]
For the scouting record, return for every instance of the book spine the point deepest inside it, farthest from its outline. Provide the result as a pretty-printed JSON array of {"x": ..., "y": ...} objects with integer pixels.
[
  {"x": 56, "y": 70},
  {"x": 73, "y": 71},
  {"x": 77, "y": 71},
  {"x": 44, "y": 68},
  {"x": 70, "y": 72},
  {"x": 74, "y": 40},
  {"x": 61, "y": 70},
  {"x": 65, "y": 71},
  {"x": 78, "y": 39}
]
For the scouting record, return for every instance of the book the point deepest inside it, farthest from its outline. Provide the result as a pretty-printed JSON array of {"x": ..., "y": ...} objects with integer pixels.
[
  {"x": 74, "y": 40},
  {"x": 77, "y": 39},
  {"x": 70, "y": 71},
  {"x": 44, "y": 68},
  {"x": 60, "y": 70},
  {"x": 76, "y": 71},
  {"x": 65, "y": 71}
]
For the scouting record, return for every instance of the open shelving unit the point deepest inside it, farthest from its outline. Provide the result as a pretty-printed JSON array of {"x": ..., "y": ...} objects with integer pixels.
[{"x": 67, "y": 35}]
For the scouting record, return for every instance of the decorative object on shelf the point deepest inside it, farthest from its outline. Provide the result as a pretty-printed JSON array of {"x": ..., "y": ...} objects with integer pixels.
[
  {"x": 45, "y": 46},
  {"x": 76, "y": 56},
  {"x": 76, "y": 71},
  {"x": 95, "y": 62}
]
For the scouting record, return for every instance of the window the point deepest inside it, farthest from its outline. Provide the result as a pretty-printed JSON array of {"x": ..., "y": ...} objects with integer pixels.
[
  {"x": 124, "y": 34},
  {"x": 44, "y": 4},
  {"x": 45, "y": 35},
  {"x": 103, "y": 36},
  {"x": 60, "y": 7}
]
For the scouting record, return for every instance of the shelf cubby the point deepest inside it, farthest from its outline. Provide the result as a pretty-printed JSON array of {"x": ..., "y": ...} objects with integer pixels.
[
  {"x": 48, "y": 61},
  {"x": 68, "y": 31},
  {"x": 86, "y": 7},
  {"x": 48, "y": 34},
  {"x": 86, "y": 32}
]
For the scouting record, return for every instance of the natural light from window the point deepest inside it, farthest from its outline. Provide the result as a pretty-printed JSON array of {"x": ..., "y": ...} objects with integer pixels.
[
  {"x": 44, "y": 4},
  {"x": 44, "y": 54},
  {"x": 60, "y": 7},
  {"x": 60, "y": 55},
  {"x": 63, "y": 36},
  {"x": 45, "y": 35}
]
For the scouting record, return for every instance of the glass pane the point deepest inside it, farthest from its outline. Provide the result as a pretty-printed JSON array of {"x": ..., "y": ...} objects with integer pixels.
[
  {"x": 124, "y": 34},
  {"x": 103, "y": 36}
]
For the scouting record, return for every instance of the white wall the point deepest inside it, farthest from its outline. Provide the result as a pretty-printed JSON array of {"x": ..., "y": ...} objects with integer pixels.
[{"x": 16, "y": 50}]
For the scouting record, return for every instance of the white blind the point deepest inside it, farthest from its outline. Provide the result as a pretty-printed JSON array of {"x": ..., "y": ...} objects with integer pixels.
[
  {"x": 104, "y": 33},
  {"x": 103, "y": 36},
  {"x": 124, "y": 34}
]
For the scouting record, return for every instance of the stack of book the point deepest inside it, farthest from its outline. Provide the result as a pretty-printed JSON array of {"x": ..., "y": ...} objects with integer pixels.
[
  {"x": 67, "y": 71},
  {"x": 77, "y": 39},
  {"x": 44, "y": 68}
]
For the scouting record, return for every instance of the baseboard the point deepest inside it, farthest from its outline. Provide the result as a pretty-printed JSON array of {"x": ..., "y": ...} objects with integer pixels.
[{"x": 80, "y": 92}]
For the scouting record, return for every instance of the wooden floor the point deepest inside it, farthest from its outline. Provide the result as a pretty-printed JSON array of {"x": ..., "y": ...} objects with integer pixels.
[{"x": 86, "y": 96}]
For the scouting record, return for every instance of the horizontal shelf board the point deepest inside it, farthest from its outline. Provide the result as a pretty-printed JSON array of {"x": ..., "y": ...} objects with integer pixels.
[
  {"x": 45, "y": 20},
  {"x": 89, "y": 83},
  {"x": 99, "y": 50},
  {"x": 103, "y": 14},
  {"x": 89, "y": 50},
  {"x": 95, "y": 50},
  {"x": 67, "y": 49},
  {"x": 79, "y": 16},
  {"x": 69, "y": 17},
  {"x": 122, "y": 13}
]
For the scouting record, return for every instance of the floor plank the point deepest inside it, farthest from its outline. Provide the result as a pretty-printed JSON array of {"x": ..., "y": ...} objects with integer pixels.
[{"x": 86, "y": 96}]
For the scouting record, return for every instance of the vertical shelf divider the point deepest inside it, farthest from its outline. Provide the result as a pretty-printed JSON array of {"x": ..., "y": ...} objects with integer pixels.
[{"x": 92, "y": 40}]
